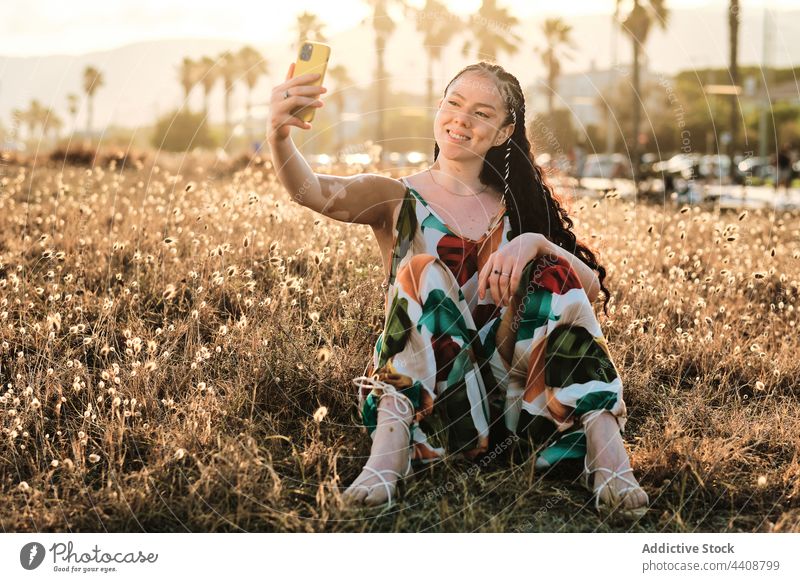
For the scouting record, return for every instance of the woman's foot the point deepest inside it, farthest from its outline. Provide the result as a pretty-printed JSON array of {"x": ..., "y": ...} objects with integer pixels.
[
  {"x": 389, "y": 456},
  {"x": 614, "y": 484}
]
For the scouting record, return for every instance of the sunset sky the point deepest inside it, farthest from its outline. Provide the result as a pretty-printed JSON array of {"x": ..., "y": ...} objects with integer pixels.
[{"x": 45, "y": 27}]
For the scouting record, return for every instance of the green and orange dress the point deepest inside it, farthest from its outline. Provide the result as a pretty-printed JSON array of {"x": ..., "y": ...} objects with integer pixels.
[{"x": 438, "y": 346}]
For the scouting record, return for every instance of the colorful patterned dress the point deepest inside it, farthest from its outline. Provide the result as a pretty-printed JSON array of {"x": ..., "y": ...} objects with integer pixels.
[{"x": 438, "y": 346}]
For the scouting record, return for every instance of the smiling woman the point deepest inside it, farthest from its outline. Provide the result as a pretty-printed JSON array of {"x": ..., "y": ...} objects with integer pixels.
[{"x": 488, "y": 313}]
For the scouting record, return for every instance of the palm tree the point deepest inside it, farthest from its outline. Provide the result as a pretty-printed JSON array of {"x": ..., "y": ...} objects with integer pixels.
[
  {"x": 733, "y": 28},
  {"x": 208, "y": 73},
  {"x": 42, "y": 118},
  {"x": 253, "y": 66},
  {"x": 491, "y": 32},
  {"x": 557, "y": 44},
  {"x": 17, "y": 118},
  {"x": 341, "y": 80},
  {"x": 92, "y": 81},
  {"x": 34, "y": 118},
  {"x": 72, "y": 107},
  {"x": 229, "y": 70},
  {"x": 309, "y": 27},
  {"x": 637, "y": 24},
  {"x": 384, "y": 26},
  {"x": 51, "y": 123},
  {"x": 189, "y": 75},
  {"x": 437, "y": 25}
]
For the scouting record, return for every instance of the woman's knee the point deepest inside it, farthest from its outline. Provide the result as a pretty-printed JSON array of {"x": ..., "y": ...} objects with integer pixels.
[{"x": 549, "y": 272}]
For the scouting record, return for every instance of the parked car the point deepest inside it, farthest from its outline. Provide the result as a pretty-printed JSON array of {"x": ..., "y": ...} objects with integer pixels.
[
  {"x": 607, "y": 166},
  {"x": 559, "y": 163},
  {"x": 604, "y": 173},
  {"x": 685, "y": 166},
  {"x": 647, "y": 164},
  {"x": 754, "y": 170},
  {"x": 715, "y": 166}
]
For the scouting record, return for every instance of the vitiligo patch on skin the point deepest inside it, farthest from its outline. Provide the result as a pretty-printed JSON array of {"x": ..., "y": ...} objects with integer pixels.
[
  {"x": 337, "y": 191},
  {"x": 336, "y": 194}
]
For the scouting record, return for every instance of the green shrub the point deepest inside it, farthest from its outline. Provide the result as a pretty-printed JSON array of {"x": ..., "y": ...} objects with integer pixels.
[
  {"x": 181, "y": 131},
  {"x": 74, "y": 154}
]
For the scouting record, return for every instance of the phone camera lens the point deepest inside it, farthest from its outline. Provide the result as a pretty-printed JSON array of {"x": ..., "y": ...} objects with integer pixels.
[{"x": 305, "y": 52}]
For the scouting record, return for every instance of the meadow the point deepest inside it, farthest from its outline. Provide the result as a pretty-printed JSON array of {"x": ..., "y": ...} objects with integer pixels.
[{"x": 177, "y": 341}]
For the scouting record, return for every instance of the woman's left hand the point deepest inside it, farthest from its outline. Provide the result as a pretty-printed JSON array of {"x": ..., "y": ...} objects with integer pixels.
[{"x": 503, "y": 270}]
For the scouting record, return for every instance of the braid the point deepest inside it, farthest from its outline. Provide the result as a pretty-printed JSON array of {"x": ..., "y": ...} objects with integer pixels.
[
  {"x": 532, "y": 205},
  {"x": 507, "y": 188}
]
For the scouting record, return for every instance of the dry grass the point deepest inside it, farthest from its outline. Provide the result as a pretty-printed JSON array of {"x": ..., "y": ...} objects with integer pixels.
[{"x": 167, "y": 336}]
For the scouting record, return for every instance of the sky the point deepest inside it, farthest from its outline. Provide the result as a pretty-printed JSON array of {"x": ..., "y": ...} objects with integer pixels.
[{"x": 48, "y": 27}]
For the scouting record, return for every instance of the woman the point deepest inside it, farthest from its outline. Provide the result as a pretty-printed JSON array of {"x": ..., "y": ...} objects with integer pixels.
[{"x": 488, "y": 314}]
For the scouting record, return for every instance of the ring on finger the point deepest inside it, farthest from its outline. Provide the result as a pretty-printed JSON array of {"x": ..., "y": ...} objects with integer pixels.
[{"x": 286, "y": 94}]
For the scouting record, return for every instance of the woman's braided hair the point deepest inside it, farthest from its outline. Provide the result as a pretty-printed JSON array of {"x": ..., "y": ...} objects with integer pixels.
[{"x": 510, "y": 168}]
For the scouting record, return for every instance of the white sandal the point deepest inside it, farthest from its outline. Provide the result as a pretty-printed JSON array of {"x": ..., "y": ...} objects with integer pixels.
[
  {"x": 407, "y": 406},
  {"x": 618, "y": 498}
]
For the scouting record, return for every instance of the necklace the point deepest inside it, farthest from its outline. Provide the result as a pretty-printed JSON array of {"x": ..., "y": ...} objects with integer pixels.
[{"x": 455, "y": 193}]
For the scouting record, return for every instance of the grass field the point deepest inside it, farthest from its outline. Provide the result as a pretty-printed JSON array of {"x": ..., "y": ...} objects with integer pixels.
[{"x": 168, "y": 334}]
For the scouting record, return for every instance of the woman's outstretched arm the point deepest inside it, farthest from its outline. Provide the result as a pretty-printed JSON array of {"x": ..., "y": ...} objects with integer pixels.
[{"x": 362, "y": 198}]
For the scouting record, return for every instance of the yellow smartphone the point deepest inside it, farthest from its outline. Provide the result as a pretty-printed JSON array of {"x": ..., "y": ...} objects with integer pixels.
[{"x": 311, "y": 58}]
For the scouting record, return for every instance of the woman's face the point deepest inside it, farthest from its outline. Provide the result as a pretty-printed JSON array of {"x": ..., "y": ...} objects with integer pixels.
[{"x": 470, "y": 118}]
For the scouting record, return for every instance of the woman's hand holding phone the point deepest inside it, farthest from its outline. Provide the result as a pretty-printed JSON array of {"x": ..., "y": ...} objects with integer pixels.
[{"x": 288, "y": 98}]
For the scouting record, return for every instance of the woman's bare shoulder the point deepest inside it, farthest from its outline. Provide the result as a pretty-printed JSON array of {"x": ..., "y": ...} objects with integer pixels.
[
  {"x": 359, "y": 198},
  {"x": 416, "y": 178}
]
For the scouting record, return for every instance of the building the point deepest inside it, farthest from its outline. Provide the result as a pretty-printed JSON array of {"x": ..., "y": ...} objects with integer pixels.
[{"x": 582, "y": 93}]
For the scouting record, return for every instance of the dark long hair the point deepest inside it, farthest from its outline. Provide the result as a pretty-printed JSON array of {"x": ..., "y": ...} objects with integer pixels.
[{"x": 532, "y": 205}]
